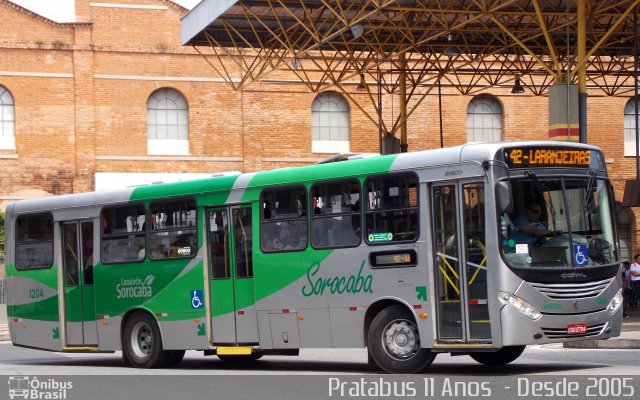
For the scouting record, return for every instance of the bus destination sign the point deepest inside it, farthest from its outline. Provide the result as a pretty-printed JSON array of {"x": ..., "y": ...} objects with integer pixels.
[
  {"x": 393, "y": 259},
  {"x": 528, "y": 157}
]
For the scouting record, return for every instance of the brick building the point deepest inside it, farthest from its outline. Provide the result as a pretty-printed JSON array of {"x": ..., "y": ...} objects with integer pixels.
[{"x": 78, "y": 101}]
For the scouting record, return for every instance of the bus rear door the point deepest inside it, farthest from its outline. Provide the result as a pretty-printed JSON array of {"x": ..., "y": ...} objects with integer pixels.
[
  {"x": 460, "y": 272},
  {"x": 231, "y": 283},
  {"x": 77, "y": 279}
]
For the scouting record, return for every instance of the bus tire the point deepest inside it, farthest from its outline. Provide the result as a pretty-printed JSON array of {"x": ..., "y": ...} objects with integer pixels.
[
  {"x": 394, "y": 342},
  {"x": 240, "y": 357},
  {"x": 503, "y": 356},
  {"x": 142, "y": 342}
]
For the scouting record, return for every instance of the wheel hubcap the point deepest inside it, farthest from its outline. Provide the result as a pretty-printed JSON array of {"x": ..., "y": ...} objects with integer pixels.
[
  {"x": 142, "y": 340},
  {"x": 401, "y": 340}
]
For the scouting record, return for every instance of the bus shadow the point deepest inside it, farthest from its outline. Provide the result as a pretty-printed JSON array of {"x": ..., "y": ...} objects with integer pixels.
[
  {"x": 514, "y": 369},
  {"x": 449, "y": 369},
  {"x": 266, "y": 366}
]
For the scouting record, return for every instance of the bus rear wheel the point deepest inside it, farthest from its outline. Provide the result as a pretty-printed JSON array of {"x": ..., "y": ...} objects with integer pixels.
[
  {"x": 142, "y": 343},
  {"x": 503, "y": 356},
  {"x": 394, "y": 342}
]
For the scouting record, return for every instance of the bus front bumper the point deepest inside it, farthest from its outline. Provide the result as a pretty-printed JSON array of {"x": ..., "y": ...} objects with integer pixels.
[{"x": 518, "y": 329}]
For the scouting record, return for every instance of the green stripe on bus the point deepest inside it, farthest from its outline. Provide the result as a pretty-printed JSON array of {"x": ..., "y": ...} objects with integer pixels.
[
  {"x": 313, "y": 173},
  {"x": 189, "y": 188}
]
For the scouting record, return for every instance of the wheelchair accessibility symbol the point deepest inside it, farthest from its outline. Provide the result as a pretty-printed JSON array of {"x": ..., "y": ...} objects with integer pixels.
[
  {"x": 196, "y": 299},
  {"x": 580, "y": 252}
]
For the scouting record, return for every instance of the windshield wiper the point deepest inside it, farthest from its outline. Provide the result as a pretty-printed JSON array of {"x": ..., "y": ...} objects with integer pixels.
[
  {"x": 588, "y": 199},
  {"x": 534, "y": 179}
]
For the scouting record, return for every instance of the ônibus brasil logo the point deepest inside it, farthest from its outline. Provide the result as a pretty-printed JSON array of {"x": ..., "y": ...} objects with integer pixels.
[
  {"x": 27, "y": 388},
  {"x": 135, "y": 288}
]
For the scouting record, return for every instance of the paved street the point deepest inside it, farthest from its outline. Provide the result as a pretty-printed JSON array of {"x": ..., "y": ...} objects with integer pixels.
[
  {"x": 329, "y": 374},
  {"x": 548, "y": 359},
  {"x": 608, "y": 372},
  {"x": 325, "y": 374}
]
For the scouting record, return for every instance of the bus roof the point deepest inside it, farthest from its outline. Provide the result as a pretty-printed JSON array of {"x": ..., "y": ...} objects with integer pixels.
[{"x": 284, "y": 176}]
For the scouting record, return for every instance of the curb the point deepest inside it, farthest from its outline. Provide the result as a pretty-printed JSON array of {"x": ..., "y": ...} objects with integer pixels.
[
  {"x": 604, "y": 344},
  {"x": 630, "y": 326},
  {"x": 4, "y": 336}
]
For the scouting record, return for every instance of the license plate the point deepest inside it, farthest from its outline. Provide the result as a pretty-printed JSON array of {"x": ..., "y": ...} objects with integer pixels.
[{"x": 576, "y": 329}]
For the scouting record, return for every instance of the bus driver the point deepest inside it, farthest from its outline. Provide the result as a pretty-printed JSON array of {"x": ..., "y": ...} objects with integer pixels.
[{"x": 529, "y": 227}]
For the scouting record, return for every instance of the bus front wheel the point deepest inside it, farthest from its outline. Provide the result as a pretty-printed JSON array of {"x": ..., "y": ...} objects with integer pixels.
[
  {"x": 394, "y": 342},
  {"x": 142, "y": 343},
  {"x": 503, "y": 356}
]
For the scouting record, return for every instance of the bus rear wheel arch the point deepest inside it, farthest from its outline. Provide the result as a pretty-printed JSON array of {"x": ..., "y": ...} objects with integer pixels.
[
  {"x": 394, "y": 342},
  {"x": 142, "y": 343}
]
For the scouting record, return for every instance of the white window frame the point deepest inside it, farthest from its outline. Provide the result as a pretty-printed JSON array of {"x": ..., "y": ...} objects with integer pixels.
[
  {"x": 167, "y": 123},
  {"x": 630, "y": 128},
  {"x": 484, "y": 119},
  {"x": 7, "y": 120},
  {"x": 330, "y": 124}
]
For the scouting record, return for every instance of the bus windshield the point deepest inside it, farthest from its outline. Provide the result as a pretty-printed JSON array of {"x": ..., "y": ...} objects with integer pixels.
[{"x": 559, "y": 223}]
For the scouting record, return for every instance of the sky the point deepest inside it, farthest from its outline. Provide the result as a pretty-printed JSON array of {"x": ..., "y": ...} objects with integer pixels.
[{"x": 63, "y": 10}]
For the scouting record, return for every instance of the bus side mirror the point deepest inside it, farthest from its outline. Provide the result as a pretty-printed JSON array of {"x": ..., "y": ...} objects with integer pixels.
[{"x": 503, "y": 194}]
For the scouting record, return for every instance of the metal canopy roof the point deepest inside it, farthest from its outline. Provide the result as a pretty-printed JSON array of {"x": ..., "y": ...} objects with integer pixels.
[{"x": 412, "y": 46}]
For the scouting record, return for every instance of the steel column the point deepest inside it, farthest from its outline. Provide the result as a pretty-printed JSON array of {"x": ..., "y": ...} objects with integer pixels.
[
  {"x": 582, "y": 71},
  {"x": 402, "y": 62}
]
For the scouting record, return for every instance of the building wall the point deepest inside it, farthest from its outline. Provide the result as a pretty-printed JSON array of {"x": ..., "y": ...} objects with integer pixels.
[
  {"x": 81, "y": 89},
  {"x": 36, "y": 67}
]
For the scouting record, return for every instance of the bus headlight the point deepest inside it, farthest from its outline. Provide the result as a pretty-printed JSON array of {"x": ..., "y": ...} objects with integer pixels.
[
  {"x": 522, "y": 306},
  {"x": 615, "y": 303}
]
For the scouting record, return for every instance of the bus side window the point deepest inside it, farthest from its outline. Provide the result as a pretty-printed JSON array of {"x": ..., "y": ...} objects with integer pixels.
[
  {"x": 335, "y": 221},
  {"x": 173, "y": 229},
  {"x": 34, "y": 241},
  {"x": 283, "y": 225},
  {"x": 391, "y": 213},
  {"x": 123, "y": 233}
]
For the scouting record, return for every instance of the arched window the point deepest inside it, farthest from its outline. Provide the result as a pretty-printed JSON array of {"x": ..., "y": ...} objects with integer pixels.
[
  {"x": 7, "y": 120},
  {"x": 330, "y": 124},
  {"x": 484, "y": 119},
  {"x": 167, "y": 123},
  {"x": 630, "y": 128}
]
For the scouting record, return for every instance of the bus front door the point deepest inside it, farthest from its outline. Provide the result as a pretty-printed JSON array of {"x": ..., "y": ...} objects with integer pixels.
[
  {"x": 460, "y": 272},
  {"x": 232, "y": 301},
  {"x": 77, "y": 280}
]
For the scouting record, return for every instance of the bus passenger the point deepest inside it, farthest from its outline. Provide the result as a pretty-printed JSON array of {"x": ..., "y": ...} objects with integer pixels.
[
  {"x": 141, "y": 253},
  {"x": 275, "y": 245},
  {"x": 157, "y": 251}
]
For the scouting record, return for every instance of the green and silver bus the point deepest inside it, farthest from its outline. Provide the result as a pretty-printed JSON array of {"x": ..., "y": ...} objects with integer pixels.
[{"x": 407, "y": 255}]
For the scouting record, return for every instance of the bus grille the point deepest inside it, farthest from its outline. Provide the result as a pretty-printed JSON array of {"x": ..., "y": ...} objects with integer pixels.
[
  {"x": 566, "y": 291},
  {"x": 561, "y": 333}
]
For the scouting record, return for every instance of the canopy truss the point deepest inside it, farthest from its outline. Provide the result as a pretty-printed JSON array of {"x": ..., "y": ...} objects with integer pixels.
[{"x": 411, "y": 46}]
